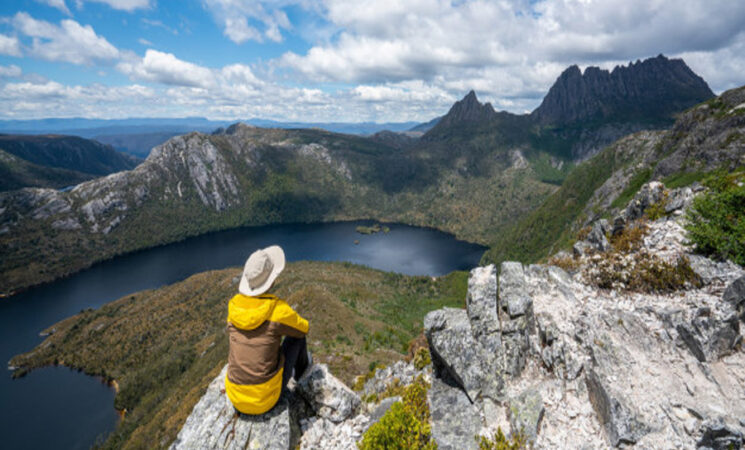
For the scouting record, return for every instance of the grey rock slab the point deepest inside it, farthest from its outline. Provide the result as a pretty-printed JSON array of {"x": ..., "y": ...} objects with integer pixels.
[
  {"x": 455, "y": 420},
  {"x": 327, "y": 395},
  {"x": 715, "y": 271},
  {"x": 678, "y": 199},
  {"x": 455, "y": 351},
  {"x": 596, "y": 238},
  {"x": 581, "y": 248},
  {"x": 710, "y": 337},
  {"x": 481, "y": 305},
  {"x": 620, "y": 422},
  {"x": 513, "y": 291},
  {"x": 526, "y": 412},
  {"x": 214, "y": 424},
  {"x": 735, "y": 296},
  {"x": 404, "y": 372}
]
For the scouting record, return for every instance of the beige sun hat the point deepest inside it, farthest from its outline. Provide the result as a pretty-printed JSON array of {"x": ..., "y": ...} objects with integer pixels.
[{"x": 261, "y": 269}]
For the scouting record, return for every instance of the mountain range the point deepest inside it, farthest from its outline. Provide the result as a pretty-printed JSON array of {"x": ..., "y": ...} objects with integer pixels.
[
  {"x": 56, "y": 161},
  {"x": 474, "y": 174}
]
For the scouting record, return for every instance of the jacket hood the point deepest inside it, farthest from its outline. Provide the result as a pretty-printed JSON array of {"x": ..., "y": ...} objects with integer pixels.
[{"x": 247, "y": 313}]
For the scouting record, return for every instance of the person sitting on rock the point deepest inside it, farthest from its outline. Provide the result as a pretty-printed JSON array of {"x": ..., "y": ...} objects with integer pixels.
[{"x": 259, "y": 363}]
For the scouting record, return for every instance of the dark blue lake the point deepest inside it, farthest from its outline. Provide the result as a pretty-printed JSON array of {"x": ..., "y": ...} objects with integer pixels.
[{"x": 59, "y": 408}]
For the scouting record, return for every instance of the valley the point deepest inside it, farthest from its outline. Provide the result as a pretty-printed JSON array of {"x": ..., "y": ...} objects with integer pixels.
[{"x": 471, "y": 174}]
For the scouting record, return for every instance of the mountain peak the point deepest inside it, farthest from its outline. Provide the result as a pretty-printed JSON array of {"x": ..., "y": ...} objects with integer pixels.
[
  {"x": 646, "y": 91},
  {"x": 465, "y": 111}
]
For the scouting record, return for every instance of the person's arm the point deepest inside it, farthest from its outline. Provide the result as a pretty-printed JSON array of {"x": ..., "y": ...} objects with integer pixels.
[{"x": 290, "y": 323}]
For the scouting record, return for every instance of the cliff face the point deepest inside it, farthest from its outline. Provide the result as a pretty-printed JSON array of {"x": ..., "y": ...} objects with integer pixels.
[
  {"x": 653, "y": 89},
  {"x": 592, "y": 109}
]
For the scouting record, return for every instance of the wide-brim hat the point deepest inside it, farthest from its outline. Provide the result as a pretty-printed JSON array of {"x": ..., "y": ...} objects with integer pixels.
[{"x": 261, "y": 269}]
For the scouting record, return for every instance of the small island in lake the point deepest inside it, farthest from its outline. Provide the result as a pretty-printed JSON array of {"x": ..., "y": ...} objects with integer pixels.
[{"x": 377, "y": 228}]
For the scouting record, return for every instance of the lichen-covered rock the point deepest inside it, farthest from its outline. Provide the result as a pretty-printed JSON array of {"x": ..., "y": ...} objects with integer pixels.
[
  {"x": 513, "y": 295},
  {"x": 455, "y": 420},
  {"x": 481, "y": 306},
  {"x": 214, "y": 424},
  {"x": 327, "y": 395},
  {"x": 526, "y": 412},
  {"x": 678, "y": 200},
  {"x": 455, "y": 350}
]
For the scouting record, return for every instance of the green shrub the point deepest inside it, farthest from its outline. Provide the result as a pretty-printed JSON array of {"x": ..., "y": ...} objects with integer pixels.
[
  {"x": 405, "y": 425},
  {"x": 422, "y": 358},
  {"x": 498, "y": 441},
  {"x": 716, "y": 219}
]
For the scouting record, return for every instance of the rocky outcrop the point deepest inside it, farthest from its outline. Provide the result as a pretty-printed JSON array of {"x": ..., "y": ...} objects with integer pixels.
[
  {"x": 214, "y": 423},
  {"x": 591, "y": 366},
  {"x": 543, "y": 352},
  {"x": 319, "y": 408}
]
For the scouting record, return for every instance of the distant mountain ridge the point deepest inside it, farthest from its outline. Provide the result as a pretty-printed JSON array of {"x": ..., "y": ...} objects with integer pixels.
[
  {"x": 584, "y": 112},
  {"x": 654, "y": 89},
  {"x": 68, "y": 152},
  {"x": 17, "y": 173}
]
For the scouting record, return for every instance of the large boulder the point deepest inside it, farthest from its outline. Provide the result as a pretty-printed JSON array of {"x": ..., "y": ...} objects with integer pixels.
[
  {"x": 513, "y": 292},
  {"x": 214, "y": 424},
  {"x": 327, "y": 395}
]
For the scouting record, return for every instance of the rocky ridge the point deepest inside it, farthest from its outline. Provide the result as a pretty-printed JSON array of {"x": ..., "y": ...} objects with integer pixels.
[
  {"x": 655, "y": 86},
  {"x": 596, "y": 107},
  {"x": 544, "y": 352}
]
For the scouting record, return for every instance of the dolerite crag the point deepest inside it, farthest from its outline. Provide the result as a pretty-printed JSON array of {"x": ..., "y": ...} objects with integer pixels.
[{"x": 580, "y": 366}]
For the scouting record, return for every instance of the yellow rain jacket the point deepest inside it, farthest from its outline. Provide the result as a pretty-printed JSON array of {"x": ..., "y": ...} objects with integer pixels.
[{"x": 255, "y": 328}]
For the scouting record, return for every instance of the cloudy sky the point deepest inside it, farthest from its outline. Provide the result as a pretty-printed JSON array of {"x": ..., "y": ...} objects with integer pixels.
[{"x": 336, "y": 60}]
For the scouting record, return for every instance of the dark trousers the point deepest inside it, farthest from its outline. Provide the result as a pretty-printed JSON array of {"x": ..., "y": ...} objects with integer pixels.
[{"x": 296, "y": 358}]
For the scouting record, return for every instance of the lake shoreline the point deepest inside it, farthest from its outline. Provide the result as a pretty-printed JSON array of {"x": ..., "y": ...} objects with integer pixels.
[{"x": 5, "y": 296}]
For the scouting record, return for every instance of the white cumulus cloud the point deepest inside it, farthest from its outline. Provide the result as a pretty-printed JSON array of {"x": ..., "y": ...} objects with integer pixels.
[
  {"x": 165, "y": 68},
  {"x": 241, "y": 19},
  {"x": 9, "y": 45},
  {"x": 69, "y": 41}
]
